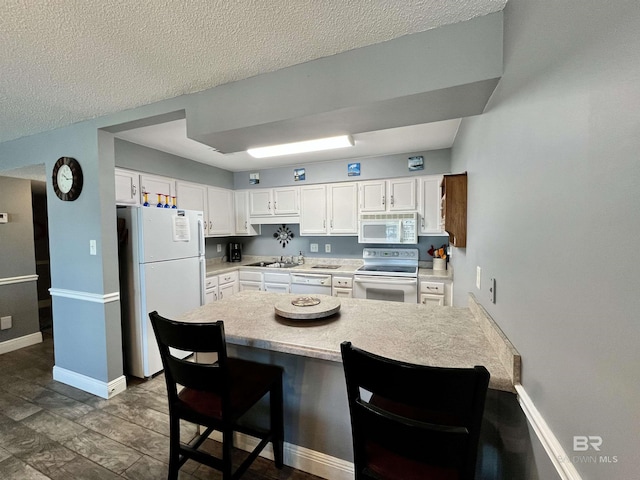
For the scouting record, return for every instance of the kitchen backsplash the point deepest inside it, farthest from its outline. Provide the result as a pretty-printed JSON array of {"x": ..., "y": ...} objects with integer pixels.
[{"x": 341, "y": 247}]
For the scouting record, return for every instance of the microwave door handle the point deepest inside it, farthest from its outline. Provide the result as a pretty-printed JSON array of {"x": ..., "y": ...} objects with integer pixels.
[{"x": 386, "y": 280}]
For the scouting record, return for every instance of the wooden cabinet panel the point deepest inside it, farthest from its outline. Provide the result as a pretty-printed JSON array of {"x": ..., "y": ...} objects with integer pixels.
[{"x": 454, "y": 208}]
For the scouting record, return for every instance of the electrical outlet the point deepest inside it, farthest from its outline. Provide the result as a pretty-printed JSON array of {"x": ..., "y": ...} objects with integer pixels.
[
  {"x": 5, "y": 323},
  {"x": 492, "y": 290},
  {"x": 218, "y": 248},
  {"x": 478, "y": 276},
  {"x": 313, "y": 247},
  {"x": 93, "y": 249},
  {"x": 327, "y": 248}
]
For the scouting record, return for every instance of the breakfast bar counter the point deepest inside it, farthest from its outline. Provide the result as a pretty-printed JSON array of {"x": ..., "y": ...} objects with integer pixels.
[
  {"x": 317, "y": 423},
  {"x": 422, "y": 334}
]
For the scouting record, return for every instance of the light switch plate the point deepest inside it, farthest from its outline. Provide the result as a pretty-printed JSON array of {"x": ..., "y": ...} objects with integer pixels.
[
  {"x": 4, "y": 217},
  {"x": 313, "y": 247},
  {"x": 5, "y": 323},
  {"x": 93, "y": 249}
]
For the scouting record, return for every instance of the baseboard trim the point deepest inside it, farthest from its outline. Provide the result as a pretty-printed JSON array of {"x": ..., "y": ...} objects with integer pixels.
[
  {"x": 549, "y": 442},
  {"x": 300, "y": 458},
  {"x": 88, "y": 384},
  {"x": 20, "y": 342},
  {"x": 21, "y": 279},
  {"x": 86, "y": 296}
]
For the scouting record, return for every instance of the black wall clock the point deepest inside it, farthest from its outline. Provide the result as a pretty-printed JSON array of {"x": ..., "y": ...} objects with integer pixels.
[{"x": 67, "y": 178}]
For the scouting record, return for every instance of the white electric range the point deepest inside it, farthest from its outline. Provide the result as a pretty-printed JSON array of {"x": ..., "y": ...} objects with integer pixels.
[{"x": 389, "y": 274}]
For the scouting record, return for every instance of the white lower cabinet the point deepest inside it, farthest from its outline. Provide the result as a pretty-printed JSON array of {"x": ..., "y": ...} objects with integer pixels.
[
  {"x": 433, "y": 293},
  {"x": 277, "y": 282},
  {"x": 250, "y": 280},
  {"x": 211, "y": 289},
  {"x": 227, "y": 285},
  {"x": 342, "y": 287}
]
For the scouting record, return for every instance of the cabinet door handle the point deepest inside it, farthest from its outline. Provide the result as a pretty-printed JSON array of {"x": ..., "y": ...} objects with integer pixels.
[
  {"x": 383, "y": 201},
  {"x": 133, "y": 190},
  {"x": 210, "y": 225},
  {"x": 275, "y": 206},
  {"x": 269, "y": 206},
  {"x": 245, "y": 225},
  {"x": 392, "y": 200}
]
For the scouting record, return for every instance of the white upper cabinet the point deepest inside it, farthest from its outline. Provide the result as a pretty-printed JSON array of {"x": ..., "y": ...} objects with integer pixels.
[
  {"x": 127, "y": 190},
  {"x": 193, "y": 196},
  {"x": 215, "y": 203},
  {"x": 329, "y": 209},
  {"x": 313, "y": 208},
  {"x": 285, "y": 201},
  {"x": 241, "y": 209},
  {"x": 429, "y": 208},
  {"x": 274, "y": 201},
  {"x": 397, "y": 195},
  {"x": 220, "y": 203},
  {"x": 274, "y": 205},
  {"x": 157, "y": 186},
  {"x": 342, "y": 207}
]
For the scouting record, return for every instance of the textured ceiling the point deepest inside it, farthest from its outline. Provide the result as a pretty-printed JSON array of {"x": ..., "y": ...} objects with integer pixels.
[{"x": 63, "y": 61}]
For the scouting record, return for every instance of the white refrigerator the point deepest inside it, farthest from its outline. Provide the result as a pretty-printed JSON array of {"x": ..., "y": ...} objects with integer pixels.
[{"x": 162, "y": 267}]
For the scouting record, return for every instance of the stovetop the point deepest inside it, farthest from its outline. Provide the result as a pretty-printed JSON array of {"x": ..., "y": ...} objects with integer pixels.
[{"x": 392, "y": 262}]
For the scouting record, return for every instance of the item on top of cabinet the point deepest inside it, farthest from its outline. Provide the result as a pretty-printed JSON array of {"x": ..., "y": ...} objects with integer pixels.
[{"x": 300, "y": 258}]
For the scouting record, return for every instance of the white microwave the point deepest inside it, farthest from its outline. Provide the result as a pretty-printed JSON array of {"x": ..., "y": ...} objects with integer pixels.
[{"x": 389, "y": 228}]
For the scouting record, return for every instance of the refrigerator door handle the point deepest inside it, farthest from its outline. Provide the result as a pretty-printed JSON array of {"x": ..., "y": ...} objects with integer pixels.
[
  {"x": 200, "y": 238},
  {"x": 203, "y": 274}
]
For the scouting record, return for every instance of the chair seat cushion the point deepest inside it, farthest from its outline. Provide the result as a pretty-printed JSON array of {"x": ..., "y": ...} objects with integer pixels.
[
  {"x": 390, "y": 466},
  {"x": 250, "y": 381}
]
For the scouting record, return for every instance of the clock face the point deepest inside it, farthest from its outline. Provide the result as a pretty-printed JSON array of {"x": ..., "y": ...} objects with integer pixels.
[{"x": 67, "y": 178}]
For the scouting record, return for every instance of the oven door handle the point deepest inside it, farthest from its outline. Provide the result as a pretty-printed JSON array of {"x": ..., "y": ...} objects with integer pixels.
[{"x": 386, "y": 280}]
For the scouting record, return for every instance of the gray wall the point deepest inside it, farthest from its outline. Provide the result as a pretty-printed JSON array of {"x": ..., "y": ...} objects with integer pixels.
[
  {"x": 371, "y": 168},
  {"x": 144, "y": 159},
  {"x": 17, "y": 259},
  {"x": 553, "y": 216}
]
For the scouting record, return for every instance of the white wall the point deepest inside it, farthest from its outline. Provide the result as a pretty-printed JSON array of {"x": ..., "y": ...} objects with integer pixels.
[{"x": 553, "y": 216}]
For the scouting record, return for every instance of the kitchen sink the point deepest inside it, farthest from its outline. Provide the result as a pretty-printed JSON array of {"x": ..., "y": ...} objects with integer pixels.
[{"x": 272, "y": 264}]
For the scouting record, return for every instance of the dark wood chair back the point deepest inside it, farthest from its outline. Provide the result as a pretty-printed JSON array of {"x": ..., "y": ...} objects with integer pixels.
[
  {"x": 412, "y": 421},
  {"x": 215, "y": 393}
]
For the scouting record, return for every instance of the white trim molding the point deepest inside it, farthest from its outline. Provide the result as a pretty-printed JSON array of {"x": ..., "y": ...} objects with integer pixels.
[
  {"x": 20, "y": 342},
  {"x": 91, "y": 385},
  {"x": 85, "y": 296},
  {"x": 550, "y": 443},
  {"x": 21, "y": 279},
  {"x": 300, "y": 458}
]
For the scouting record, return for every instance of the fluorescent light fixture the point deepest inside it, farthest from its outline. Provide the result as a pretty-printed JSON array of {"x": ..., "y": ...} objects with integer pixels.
[{"x": 328, "y": 143}]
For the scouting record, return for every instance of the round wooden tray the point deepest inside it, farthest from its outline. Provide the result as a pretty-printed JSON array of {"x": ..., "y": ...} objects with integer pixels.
[{"x": 307, "y": 307}]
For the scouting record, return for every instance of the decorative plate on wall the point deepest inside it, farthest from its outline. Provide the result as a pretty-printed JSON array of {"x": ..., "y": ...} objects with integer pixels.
[{"x": 283, "y": 235}]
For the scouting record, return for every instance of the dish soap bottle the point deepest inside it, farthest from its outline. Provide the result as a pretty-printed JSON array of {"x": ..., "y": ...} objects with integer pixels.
[{"x": 300, "y": 258}]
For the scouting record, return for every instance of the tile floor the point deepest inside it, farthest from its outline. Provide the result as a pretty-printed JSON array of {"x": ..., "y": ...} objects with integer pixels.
[{"x": 49, "y": 430}]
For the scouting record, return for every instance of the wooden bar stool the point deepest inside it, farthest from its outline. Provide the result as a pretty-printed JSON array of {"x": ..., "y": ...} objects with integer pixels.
[
  {"x": 215, "y": 395},
  {"x": 413, "y": 422}
]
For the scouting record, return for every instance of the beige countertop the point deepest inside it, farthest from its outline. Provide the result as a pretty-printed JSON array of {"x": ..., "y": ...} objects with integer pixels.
[
  {"x": 422, "y": 334},
  {"x": 346, "y": 266}
]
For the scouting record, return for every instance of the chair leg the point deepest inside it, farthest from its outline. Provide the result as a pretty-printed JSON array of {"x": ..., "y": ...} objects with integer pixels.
[
  {"x": 174, "y": 447},
  {"x": 227, "y": 447},
  {"x": 277, "y": 422}
]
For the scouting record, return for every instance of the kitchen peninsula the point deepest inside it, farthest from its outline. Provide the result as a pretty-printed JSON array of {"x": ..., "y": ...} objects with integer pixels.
[{"x": 316, "y": 410}]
